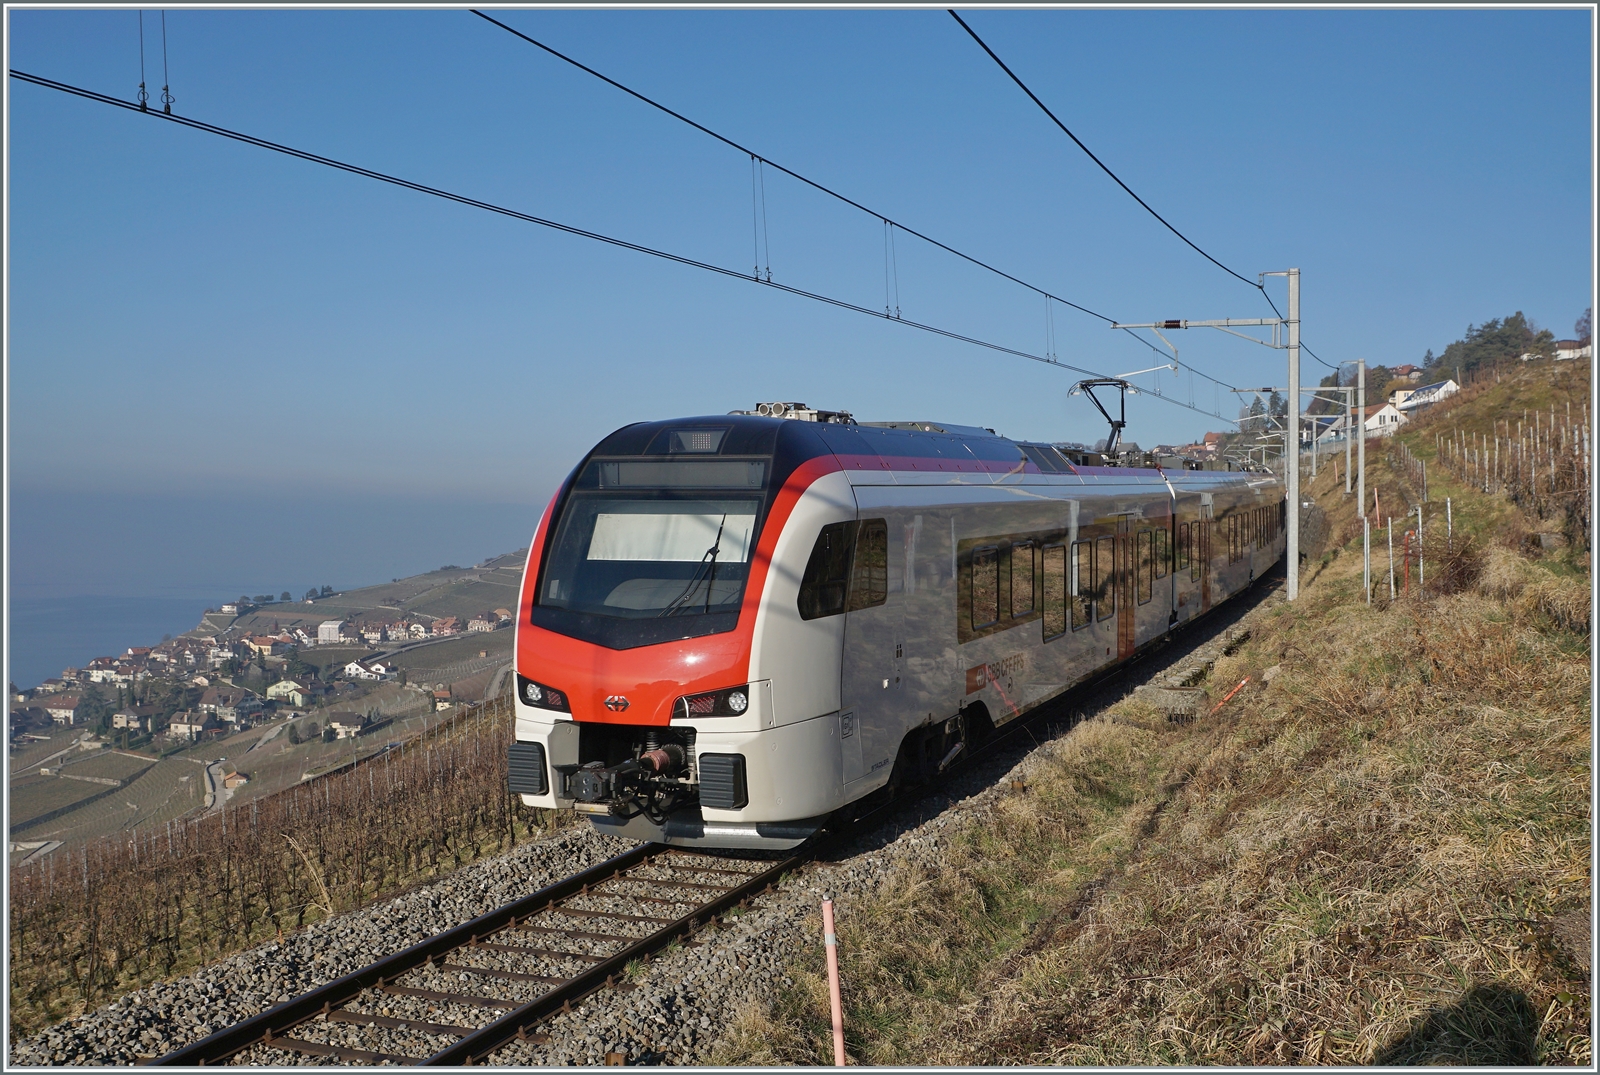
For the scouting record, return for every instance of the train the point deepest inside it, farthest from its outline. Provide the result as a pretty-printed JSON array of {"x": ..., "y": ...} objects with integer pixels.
[{"x": 734, "y": 628}]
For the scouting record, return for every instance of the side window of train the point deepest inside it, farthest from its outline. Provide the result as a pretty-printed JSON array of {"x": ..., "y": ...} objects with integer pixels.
[
  {"x": 1082, "y": 583},
  {"x": 1021, "y": 578},
  {"x": 985, "y": 586},
  {"x": 1233, "y": 539},
  {"x": 1183, "y": 546},
  {"x": 869, "y": 575},
  {"x": 827, "y": 578},
  {"x": 1161, "y": 554},
  {"x": 1055, "y": 590},
  {"x": 1105, "y": 566},
  {"x": 1144, "y": 565}
]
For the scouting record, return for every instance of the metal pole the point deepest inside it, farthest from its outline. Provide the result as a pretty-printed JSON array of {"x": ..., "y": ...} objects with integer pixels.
[
  {"x": 1349, "y": 403},
  {"x": 1361, "y": 446},
  {"x": 1449, "y": 526},
  {"x": 1390, "y": 531},
  {"x": 1294, "y": 458},
  {"x": 1366, "y": 557},
  {"x": 1422, "y": 587}
]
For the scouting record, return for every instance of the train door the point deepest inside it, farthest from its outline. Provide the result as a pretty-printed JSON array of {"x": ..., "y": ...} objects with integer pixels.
[
  {"x": 1124, "y": 584},
  {"x": 872, "y": 688},
  {"x": 1205, "y": 526}
]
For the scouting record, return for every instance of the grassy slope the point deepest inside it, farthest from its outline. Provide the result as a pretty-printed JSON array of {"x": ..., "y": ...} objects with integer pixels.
[{"x": 1379, "y": 857}]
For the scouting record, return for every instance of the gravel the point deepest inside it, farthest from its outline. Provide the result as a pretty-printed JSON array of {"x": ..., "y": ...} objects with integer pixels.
[{"x": 677, "y": 1004}]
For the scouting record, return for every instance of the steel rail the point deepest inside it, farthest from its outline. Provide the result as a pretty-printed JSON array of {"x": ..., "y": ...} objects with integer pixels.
[
  {"x": 474, "y": 1044},
  {"x": 476, "y": 1047},
  {"x": 230, "y": 1040}
]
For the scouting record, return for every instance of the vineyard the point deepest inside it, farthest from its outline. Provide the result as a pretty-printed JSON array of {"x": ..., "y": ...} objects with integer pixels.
[{"x": 155, "y": 902}]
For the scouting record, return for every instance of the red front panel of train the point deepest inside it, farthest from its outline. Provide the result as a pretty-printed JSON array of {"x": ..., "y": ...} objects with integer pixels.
[{"x": 651, "y": 678}]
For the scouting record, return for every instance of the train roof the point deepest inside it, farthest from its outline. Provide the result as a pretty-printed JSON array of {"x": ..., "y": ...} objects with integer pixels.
[{"x": 897, "y": 444}]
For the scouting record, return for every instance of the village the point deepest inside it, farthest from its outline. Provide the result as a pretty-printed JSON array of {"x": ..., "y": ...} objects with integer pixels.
[{"x": 219, "y": 685}]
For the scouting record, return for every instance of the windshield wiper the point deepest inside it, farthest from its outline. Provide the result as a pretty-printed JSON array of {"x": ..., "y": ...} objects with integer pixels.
[{"x": 678, "y": 603}]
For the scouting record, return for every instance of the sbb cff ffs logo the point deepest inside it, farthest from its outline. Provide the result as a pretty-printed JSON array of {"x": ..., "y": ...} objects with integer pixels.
[{"x": 616, "y": 703}]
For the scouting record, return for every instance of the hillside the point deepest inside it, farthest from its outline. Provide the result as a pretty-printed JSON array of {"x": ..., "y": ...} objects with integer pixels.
[
  {"x": 1376, "y": 853},
  {"x": 448, "y": 591}
]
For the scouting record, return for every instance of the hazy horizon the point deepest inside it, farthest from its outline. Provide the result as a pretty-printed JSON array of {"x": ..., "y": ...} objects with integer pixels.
[{"x": 157, "y": 579}]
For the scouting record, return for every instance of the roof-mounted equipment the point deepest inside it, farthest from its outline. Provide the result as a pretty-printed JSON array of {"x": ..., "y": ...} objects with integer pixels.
[{"x": 800, "y": 413}]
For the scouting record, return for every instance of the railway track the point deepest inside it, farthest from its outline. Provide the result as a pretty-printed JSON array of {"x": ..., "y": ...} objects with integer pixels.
[{"x": 455, "y": 998}]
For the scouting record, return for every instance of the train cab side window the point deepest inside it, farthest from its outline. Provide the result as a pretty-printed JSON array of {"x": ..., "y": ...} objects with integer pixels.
[
  {"x": 1055, "y": 590},
  {"x": 1183, "y": 546},
  {"x": 1082, "y": 583},
  {"x": 869, "y": 575},
  {"x": 1144, "y": 565},
  {"x": 1105, "y": 566},
  {"x": 827, "y": 579},
  {"x": 1022, "y": 578},
  {"x": 985, "y": 586},
  {"x": 1161, "y": 554},
  {"x": 1198, "y": 548}
]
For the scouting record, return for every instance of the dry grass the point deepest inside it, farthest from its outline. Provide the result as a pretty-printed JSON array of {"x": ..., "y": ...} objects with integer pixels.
[{"x": 1380, "y": 857}]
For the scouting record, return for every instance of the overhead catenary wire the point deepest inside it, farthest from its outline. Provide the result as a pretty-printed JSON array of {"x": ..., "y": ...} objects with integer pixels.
[
  {"x": 823, "y": 188},
  {"x": 422, "y": 188},
  {"x": 1257, "y": 284},
  {"x": 1115, "y": 178}
]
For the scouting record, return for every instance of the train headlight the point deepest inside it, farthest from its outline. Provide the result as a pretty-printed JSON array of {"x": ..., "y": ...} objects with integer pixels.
[
  {"x": 537, "y": 694},
  {"x": 725, "y": 703}
]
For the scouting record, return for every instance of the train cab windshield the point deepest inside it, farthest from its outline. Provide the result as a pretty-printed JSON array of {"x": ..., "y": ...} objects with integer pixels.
[{"x": 649, "y": 550}]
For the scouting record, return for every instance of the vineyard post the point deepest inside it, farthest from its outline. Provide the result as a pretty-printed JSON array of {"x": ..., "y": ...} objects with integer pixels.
[
  {"x": 1391, "y": 558},
  {"x": 1366, "y": 557}
]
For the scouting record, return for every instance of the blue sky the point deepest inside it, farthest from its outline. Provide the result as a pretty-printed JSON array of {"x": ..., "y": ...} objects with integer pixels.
[{"x": 191, "y": 318}]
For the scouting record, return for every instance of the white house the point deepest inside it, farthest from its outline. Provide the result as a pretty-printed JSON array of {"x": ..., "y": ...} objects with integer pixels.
[
  {"x": 63, "y": 709},
  {"x": 370, "y": 670},
  {"x": 1567, "y": 350},
  {"x": 328, "y": 632},
  {"x": 1383, "y": 421},
  {"x": 190, "y": 724},
  {"x": 1427, "y": 396},
  {"x": 347, "y": 725}
]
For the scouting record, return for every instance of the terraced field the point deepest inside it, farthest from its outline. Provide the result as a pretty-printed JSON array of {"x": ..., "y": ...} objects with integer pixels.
[
  {"x": 32, "y": 755},
  {"x": 107, "y": 765},
  {"x": 35, "y": 796},
  {"x": 167, "y": 790}
]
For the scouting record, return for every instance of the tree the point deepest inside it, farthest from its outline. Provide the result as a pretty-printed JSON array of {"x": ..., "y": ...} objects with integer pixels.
[
  {"x": 1323, "y": 403},
  {"x": 294, "y": 734},
  {"x": 312, "y": 731},
  {"x": 96, "y": 708},
  {"x": 244, "y": 599},
  {"x": 311, "y": 594},
  {"x": 1495, "y": 342},
  {"x": 328, "y": 734},
  {"x": 326, "y": 590},
  {"x": 1582, "y": 328},
  {"x": 1277, "y": 405},
  {"x": 284, "y": 596},
  {"x": 1255, "y": 423}
]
